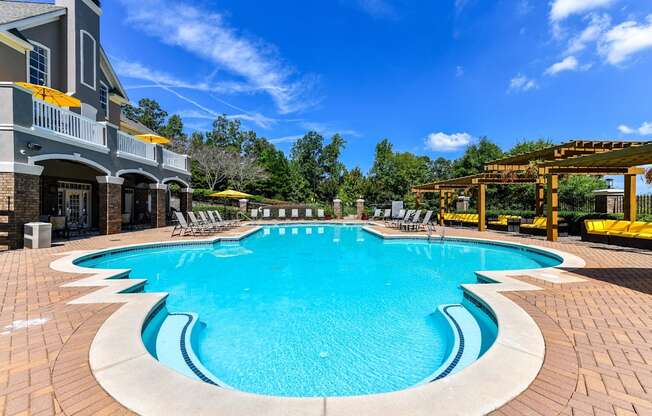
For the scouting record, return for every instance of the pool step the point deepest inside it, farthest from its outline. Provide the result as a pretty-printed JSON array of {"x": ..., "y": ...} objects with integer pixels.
[
  {"x": 174, "y": 347},
  {"x": 467, "y": 341}
]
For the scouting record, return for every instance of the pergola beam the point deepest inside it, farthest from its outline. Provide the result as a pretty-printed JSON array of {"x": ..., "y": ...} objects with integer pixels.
[{"x": 596, "y": 171}]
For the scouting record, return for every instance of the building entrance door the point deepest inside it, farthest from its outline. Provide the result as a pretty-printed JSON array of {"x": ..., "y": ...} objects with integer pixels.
[{"x": 75, "y": 203}]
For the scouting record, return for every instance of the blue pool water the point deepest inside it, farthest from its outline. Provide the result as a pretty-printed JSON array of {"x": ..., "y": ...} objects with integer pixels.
[{"x": 320, "y": 310}]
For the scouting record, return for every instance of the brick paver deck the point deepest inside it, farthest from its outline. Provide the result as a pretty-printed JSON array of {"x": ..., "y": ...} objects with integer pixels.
[{"x": 598, "y": 333}]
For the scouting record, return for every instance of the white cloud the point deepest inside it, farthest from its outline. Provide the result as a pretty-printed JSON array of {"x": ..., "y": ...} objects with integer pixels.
[
  {"x": 442, "y": 142},
  {"x": 205, "y": 34},
  {"x": 561, "y": 9},
  {"x": 624, "y": 40},
  {"x": 625, "y": 129},
  {"x": 568, "y": 64},
  {"x": 286, "y": 139},
  {"x": 522, "y": 83},
  {"x": 459, "y": 72},
  {"x": 645, "y": 129},
  {"x": 598, "y": 24}
]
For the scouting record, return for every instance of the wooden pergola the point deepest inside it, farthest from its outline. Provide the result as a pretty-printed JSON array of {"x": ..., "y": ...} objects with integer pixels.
[
  {"x": 570, "y": 149},
  {"x": 624, "y": 162},
  {"x": 480, "y": 181},
  {"x": 543, "y": 167}
]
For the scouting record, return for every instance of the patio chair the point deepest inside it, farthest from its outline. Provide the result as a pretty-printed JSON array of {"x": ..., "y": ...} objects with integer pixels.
[
  {"x": 295, "y": 214},
  {"x": 210, "y": 222},
  {"x": 225, "y": 223},
  {"x": 281, "y": 213},
  {"x": 377, "y": 215},
  {"x": 309, "y": 213},
  {"x": 198, "y": 225},
  {"x": 320, "y": 214},
  {"x": 410, "y": 222},
  {"x": 387, "y": 214},
  {"x": 396, "y": 223},
  {"x": 418, "y": 226},
  {"x": 182, "y": 227},
  {"x": 267, "y": 213},
  {"x": 254, "y": 214}
]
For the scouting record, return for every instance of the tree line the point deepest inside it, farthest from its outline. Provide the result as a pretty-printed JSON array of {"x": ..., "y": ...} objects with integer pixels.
[{"x": 228, "y": 156}]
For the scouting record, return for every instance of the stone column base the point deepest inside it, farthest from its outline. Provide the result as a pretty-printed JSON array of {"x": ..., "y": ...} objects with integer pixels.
[
  {"x": 20, "y": 203},
  {"x": 110, "y": 206},
  {"x": 186, "y": 200},
  {"x": 159, "y": 199}
]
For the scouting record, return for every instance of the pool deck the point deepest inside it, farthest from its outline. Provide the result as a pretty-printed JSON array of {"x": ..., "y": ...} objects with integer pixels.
[{"x": 598, "y": 333}]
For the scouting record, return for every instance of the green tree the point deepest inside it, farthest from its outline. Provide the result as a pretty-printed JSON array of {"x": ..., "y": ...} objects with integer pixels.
[
  {"x": 331, "y": 166},
  {"x": 226, "y": 133},
  {"x": 475, "y": 157},
  {"x": 306, "y": 155},
  {"x": 149, "y": 113},
  {"x": 354, "y": 186},
  {"x": 298, "y": 187},
  {"x": 173, "y": 130}
]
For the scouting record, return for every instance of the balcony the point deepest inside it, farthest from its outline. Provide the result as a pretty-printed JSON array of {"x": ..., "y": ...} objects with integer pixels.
[
  {"x": 70, "y": 127},
  {"x": 175, "y": 161},
  {"x": 131, "y": 148}
]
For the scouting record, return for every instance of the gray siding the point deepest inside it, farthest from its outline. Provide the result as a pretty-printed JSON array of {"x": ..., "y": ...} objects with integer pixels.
[
  {"x": 13, "y": 67},
  {"x": 49, "y": 35},
  {"x": 87, "y": 20}
]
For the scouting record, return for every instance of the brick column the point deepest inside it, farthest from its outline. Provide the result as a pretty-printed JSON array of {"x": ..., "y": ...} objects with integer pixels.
[
  {"x": 110, "y": 206},
  {"x": 20, "y": 202},
  {"x": 337, "y": 208},
  {"x": 359, "y": 208},
  {"x": 186, "y": 200},
  {"x": 159, "y": 195}
]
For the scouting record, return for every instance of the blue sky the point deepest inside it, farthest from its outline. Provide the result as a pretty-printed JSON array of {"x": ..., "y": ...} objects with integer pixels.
[{"x": 431, "y": 76}]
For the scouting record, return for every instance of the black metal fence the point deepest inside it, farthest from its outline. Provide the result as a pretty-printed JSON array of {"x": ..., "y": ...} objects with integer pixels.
[{"x": 609, "y": 204}]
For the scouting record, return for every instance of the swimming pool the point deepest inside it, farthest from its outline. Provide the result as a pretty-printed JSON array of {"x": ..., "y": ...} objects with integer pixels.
[{"x": 322, "y": 310}]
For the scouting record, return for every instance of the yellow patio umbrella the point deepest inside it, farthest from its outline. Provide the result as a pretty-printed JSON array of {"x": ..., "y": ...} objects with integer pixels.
[
  {"x": 50, "y": 95},
  {"x": 153, "y": 138},
  {"x": 230, "y": 194}
]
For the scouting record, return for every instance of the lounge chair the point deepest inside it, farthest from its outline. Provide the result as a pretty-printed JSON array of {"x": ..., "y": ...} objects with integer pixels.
[
  {"x": 295, "y": 214},
  {"x": 254, "y": 214},
  {"x": 320, "y": 214},
  {"x": 197, "y": 224},
  {"x": 396, "y": 223},
  {"x": 183, "y": 228},
  {"x": 410, "y": 222},
  {"x": 267, "y": 213},
  {"x": 225, "y": 223},
  {"x": 377, "y": 214},
  {"x": 281, "y": 213},
  {"x": 208, "y": 223},
  {"x": 418, "y": 226},
  {"x": 308, "y": 212}
]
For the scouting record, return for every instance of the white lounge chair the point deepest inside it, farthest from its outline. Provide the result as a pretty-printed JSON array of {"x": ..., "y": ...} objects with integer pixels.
[
  {"x": 209, "y": 223},
  {"x": 320, "y": 214},
  {"x": 183, "y": 228},
  {"x": 281, "y": 213},
  {"x": 308, "y": 212},
  {"x": 267, "y": 213},
  {"x": 196, "y": 224},
  {"x": 409, "y": 223},
  {"x": 254, "y": 214},
  {"x": 227, "y": 223},
  {"x": 377, "y": 214},
  {"x": 295, "y": 214}
]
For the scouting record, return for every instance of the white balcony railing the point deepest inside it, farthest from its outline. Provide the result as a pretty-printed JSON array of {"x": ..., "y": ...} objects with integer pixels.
[
  {"x": 67, "y": 123},
  {"x": 175, "y": 160},
  {"x": 129, "y": 145}
]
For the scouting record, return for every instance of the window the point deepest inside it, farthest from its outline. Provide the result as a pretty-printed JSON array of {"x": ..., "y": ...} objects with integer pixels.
[
  {"x": 104, "y": 97},
  {"x": 88, "y": 58},
  {"x": 38, "y": 67}
]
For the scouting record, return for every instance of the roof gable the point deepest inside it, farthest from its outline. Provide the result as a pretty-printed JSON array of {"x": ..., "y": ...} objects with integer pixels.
[{"x": 13, "y": 12}]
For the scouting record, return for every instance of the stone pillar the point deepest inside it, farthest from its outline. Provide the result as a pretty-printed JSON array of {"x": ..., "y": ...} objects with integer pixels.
[
  {"x": 243, "y": 203},
  {"x": 20, "y": 201},
  {"x": 159, "y": 199},
  {"x": 359, "y": 208},
  {"x": 186, "y": 200},
  {"x": 606, "y": 200},
  {"x": 442, "y": 207},
  {"x": 629, "y": 201},
  {"x": 337, "y": 208},
  {"x": 552, "y": 206},
  {"x": 110, "y": 206}
]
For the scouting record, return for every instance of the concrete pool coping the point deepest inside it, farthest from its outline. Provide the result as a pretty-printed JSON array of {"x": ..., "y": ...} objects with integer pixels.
[{"x": 127, "y": 372}]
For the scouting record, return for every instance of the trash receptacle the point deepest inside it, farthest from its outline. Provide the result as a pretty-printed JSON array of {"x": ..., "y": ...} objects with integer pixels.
[{"x": 38, "y": 235}]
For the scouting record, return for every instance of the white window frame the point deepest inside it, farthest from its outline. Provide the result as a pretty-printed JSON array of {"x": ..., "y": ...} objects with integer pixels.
[
  {"x": 82, "y": 35},
  {"x": 106, "y": 109},
  {"x": 49, "y": 66}
]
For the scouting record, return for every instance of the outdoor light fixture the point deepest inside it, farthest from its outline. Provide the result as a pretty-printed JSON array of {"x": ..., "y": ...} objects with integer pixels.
[
  {"x": 34, "y": 146},
  {"x": 610, "y": 183}
]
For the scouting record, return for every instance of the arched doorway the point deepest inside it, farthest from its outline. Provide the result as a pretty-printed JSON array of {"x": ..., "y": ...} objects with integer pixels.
[
  {"x": 179, "y": 195},
  {"x": 69, "y": 193},
  {"x": 137, "y": 198}
]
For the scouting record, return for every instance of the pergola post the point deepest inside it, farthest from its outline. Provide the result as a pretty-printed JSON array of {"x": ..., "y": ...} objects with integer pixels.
[
  {"x": 629, "y": 203},
  {"x": 482, "y": 206},
  {"x": 553, "y": 202},
  {"x": 540, "y": 193},
  {"x": 442, "y": 207},
  {"x": 417, "y": 200}
]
